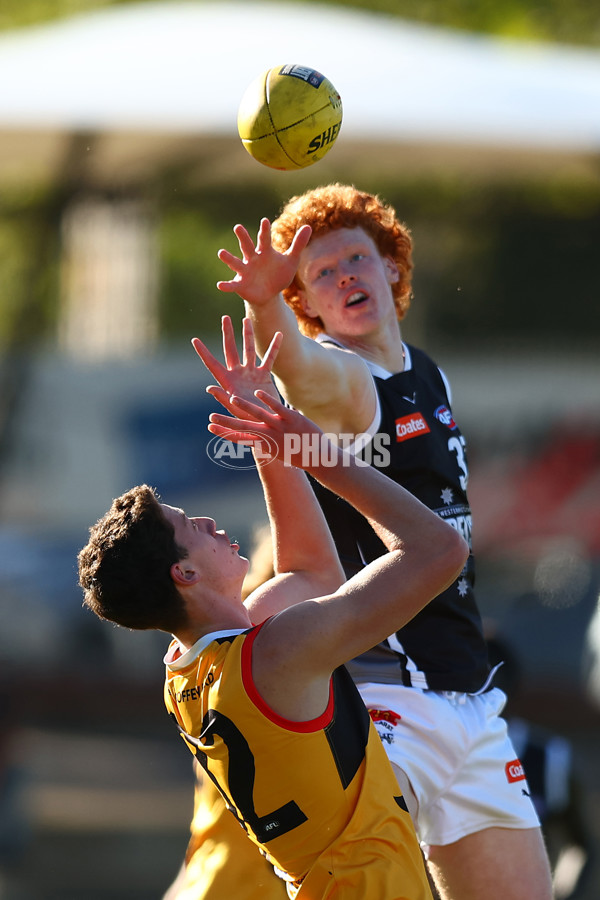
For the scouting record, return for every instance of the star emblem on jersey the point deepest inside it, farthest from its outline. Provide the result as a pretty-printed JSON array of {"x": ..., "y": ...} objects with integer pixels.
[
  {"x": 463, "y": 587},
  {"x": 447, "y": 496}
]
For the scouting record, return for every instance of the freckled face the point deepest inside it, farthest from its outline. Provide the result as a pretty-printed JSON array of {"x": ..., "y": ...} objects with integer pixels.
[{"x": 347, "y": 283}]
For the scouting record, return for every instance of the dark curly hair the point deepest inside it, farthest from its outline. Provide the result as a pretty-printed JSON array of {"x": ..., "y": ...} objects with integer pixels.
[
  {"x": 124, "y": 569},
  {"x": 343, "y": 206}
]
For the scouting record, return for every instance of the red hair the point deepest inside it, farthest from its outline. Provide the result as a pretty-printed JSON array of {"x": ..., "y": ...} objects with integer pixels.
[{"x": 343, "y": 206}]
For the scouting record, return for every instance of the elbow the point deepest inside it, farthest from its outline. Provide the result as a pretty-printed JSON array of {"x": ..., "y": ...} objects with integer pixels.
[
  {"x": 463, "y": 552},
  {"x": 452, "y": 555},
  {"x": 332, "y": 578}
]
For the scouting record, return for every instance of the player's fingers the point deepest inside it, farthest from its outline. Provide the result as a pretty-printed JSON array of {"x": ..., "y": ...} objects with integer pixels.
[
  {"x": 238, "y": 424},
  {"x": 250, "y": 408},
  {"x": 230, "y": 351},
  {"x": 272, "y": 402},
  {"x": 225, "y": 399},
  {"x": 256, "y": 412},
  {"x": 272, "y": 351},
  {"x": 263, "y": 240},
  {"x": 245, "y": 241},
  {"x": 219, "y": 394},
  {"x": 229, "y": 287},
  {"x": 300, "y": 241},
  {"x": 248, "y": 342},
  {"x": 213, "y": 365},
  {"x": 234, "y": 262},
  {"x": 236, "y": 436}
]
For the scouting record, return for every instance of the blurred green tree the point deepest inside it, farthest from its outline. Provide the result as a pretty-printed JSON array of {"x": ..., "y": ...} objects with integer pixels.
[{"x": 570, "y": 21}]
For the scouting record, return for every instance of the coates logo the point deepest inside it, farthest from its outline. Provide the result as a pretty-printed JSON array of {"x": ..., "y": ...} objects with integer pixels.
[
  {"x": 514, "y": 771},
  {"x": 444, "y": 415},
  {"x": 230, "y": 455},
  {"x": 385, "y": 715},
  {"x": 411, "y": 426}
]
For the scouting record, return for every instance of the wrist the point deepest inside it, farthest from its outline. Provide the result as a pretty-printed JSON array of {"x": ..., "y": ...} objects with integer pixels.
[
  {"x": 266, "y": 311},
  {"x": 321, "y": 457}
]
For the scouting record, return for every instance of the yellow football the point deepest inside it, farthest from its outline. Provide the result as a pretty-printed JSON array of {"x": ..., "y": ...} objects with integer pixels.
[{"x": 289, "y": 117}]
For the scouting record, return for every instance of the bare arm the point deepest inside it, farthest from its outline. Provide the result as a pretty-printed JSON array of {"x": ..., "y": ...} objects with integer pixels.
[
  {"x": 332, "y": 387},
  {"x": 305, "y": 560},
  {"x": 303, "y": 567},
  {"x": 298, "y": 649}
]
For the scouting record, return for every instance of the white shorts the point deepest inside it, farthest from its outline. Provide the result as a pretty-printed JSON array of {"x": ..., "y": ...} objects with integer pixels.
[{"x": 454, "y": 761}]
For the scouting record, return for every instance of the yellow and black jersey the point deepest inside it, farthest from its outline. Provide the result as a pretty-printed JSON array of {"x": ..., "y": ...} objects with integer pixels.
[
  {"x": 318, "y": 797},
  {"x": 220, "y": 862}
]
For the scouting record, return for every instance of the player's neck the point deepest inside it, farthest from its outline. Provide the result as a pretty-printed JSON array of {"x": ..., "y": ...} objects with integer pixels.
[
  {"x": 383, "y": 348},
  {"x": 207, "y": 612}
]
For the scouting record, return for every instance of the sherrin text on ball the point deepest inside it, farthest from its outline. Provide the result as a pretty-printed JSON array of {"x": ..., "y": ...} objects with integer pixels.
[{"x": 289, "y": 117}]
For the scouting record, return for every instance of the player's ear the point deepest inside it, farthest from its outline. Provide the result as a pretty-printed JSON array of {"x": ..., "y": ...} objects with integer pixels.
[
  {"x": 391, "y": 268},
  {"x": 306, "y": 305},
  {"x": 184, "y": 575}
]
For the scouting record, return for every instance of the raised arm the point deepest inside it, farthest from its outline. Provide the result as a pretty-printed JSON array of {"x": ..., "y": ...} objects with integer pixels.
[
  {"x": 300, "y": 647},
  {"x": 303, "y": 567},
  {"x": 331, "y": 387}
]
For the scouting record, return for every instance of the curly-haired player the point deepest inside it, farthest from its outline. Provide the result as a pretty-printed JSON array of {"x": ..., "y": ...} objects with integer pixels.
[
  {"x": 342, "y": 260},
  {"x": 269, "y": 711}
]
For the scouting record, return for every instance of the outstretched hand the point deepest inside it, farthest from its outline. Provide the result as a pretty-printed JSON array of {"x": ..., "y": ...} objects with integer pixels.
[
  {"x": 239, "y": 377},
  {"x": 262, "y": 272},
  {"x": 282, "y": 431}
]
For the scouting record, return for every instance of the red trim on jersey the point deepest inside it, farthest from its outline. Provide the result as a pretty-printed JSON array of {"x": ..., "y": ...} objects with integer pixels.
[{"x": 311, "y": 725}]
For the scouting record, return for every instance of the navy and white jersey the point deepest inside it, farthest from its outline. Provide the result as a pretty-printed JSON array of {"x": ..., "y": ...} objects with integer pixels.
[{"x": 415, "y": 440}]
